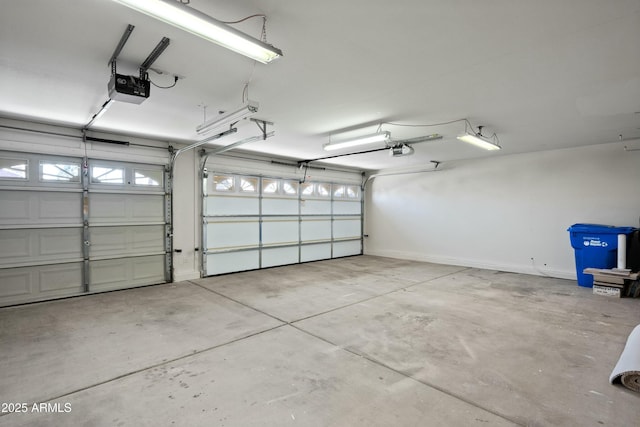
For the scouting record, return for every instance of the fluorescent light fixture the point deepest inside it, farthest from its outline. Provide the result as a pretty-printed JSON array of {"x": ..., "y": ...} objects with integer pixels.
[
  {"x": 228, "y": 118},
  {"x": 479, "y": 141},
  {"x": 361, "y": 140},
  {"x": 195, "y": 22}
]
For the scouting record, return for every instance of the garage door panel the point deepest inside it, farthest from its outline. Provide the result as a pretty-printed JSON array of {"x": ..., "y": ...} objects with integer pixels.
[
  {"x": 315, "y": 252},
  {"x": 233, "y": 234},
  {"x": 272, "y": 206},
  {"x": 347, "y": 207},
  {"x": 26, "y": 284},
  {"x": 123, "y": 273},
  {"x": 345, "y": 228},
  {"x": 147, "y": 270},
  {"x": 220, "y": 205},
  {"x": 280, "y": 231},
  {"x": 313, "y": 229},
  {"x": 35, "y": 246},
  {"x": 147, "y": 208},
  {"x": 341, "y": 249},
  {"x": 222, "y": 263},
  {"x": 126, "y": 240},
  {"x": 315, "y": 207},
  {"x": 60, "y": 279},
  {"x": 106, "y": 272},
  {"x": 16, "y": 245},
  {"x": 37, "y": 207},
  {"x": 61, "y": 243},
  {"x": 125, "y": 208},
  {"x": 15, "y": 282},
  {"x": 279, "y": 256},
  {"x": 15, "y": 207},
  {"x": 54, "y": 207}
]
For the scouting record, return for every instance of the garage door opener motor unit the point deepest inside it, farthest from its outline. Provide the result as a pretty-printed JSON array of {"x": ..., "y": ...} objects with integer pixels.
[
  {"x": 132, "y": 89},
  {"x": 129, "y": 89}
]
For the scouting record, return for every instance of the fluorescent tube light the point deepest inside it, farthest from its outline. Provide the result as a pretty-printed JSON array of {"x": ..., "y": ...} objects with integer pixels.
[
  {"x": 195, "y": 22},
  {"x": 479, "y": 141},
  {"x": 228, "y": 118},
  {"x": 361, "y": 140}
]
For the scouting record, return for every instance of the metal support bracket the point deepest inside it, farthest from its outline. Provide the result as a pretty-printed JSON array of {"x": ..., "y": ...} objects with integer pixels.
[
  {"x": 155, "y": 53},
  {"x": 262, "y": 125},
  {"x": 121, "y": 43},
  {"x": 86, "y": 236}
]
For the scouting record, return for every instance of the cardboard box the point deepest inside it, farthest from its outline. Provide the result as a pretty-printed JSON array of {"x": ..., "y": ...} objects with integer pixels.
[{"x": 607, "y": 291}]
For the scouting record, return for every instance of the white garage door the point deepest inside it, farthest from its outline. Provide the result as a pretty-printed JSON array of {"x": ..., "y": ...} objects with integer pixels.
[
  {"x": 255, "y": 222},
  {"x": 69, "y": 227}
]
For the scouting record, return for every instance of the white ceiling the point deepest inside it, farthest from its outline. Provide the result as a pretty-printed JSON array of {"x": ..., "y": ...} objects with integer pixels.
[{"x": 541, "y": 74}]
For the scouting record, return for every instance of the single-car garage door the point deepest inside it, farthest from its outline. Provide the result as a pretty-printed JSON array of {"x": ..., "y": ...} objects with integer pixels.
[{"x": 70, "y": 226}]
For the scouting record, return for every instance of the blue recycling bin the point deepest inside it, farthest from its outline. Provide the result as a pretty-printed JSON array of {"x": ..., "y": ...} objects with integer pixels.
[{"x": 596, "y": 246}]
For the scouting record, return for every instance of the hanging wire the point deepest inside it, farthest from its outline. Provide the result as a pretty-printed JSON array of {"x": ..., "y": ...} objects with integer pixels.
[
  {"x": 422, "y": 125},
  {"x": 175, "y": 80},
  {"x": 165, "y": 87},
  {"x": 467, "y": 125},
  {"x": 260, "y": 15},
  {"x": 263, "y": 38},
  {"x": 245, "y": 90},
  {"x": 263, "y": 32},
  {"x": 263, "y": 35},
  {"x": 185, "y": 1}
]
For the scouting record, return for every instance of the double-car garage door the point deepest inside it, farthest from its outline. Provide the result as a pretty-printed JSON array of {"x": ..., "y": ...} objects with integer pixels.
[
  {"x": 252, "y": 222},
  {"x": 70, "y": 226}
]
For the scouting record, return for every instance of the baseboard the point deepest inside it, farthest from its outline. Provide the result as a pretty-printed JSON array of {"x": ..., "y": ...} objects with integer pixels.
[{"x": 512, "y": 268}]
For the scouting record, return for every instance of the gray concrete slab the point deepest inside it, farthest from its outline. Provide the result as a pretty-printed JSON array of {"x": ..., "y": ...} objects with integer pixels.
[
  {"x": 50, "y": 349},
  {"x": 399, "y": 269},
  {"x": 414, "y": 344},
  {"x": 277, "y": 378},
  {"x": 296, "y": 292},
  {"x": 536, "y": 350}
]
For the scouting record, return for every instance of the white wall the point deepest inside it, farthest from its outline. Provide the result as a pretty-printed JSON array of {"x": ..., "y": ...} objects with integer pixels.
[
  {"x": 508, "y": 213},
  {"x": 186, "y": 212}
]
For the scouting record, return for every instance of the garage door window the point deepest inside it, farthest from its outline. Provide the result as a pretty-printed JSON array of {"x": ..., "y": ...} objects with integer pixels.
[
  {"x": 59, "y": 171},
  {"x": 107, "y": 175},
  {"x": 223, "y": 183},
  {"x": 353, "y": 192},
  {"x": 307, "y": 189},
  {"x": 339, "y": 191},
  {"x": 248, "y": 185},
  {"x": 324, "y": 190},
  {"x": 13, "y": 168},
  {"x": 290, "y": 188},
  {"x": 269, "y": 186},
  {"x": 150, "y": 178}
]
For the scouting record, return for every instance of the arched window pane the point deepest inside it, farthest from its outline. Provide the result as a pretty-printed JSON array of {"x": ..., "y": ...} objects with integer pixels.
[{"x": 223, "y": 183}]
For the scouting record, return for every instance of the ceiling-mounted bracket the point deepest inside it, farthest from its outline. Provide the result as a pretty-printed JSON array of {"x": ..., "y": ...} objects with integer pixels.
[
  {"x": 262, "y": 125},
  {"x": 155, "y": 53},
  {"x": 119, "y": 47}
]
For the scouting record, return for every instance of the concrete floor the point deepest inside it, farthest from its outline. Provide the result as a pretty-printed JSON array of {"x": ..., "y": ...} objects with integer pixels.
[{"x": 360, "y": 341}]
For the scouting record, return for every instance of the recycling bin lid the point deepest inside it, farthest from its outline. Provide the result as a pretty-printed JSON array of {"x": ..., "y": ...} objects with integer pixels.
[{"x": 599, "y": 228}]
